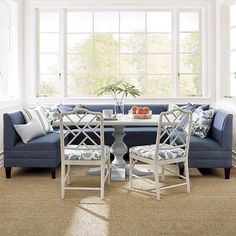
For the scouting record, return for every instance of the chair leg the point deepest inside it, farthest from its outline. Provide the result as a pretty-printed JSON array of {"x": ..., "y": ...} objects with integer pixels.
[
  {"x": 8, "y": 172},
  {"x": 187, "y": 176},
  {"x": 227, "y": 173},
  {"x": 162, "y": 173},
  {"x": 53, "y": 171},
  {"x": 156, "y": 169},
  {"x": 69, "y": 175},
  {"x": 102, "y": 180},
  {"x": 62, "y": 181},
  {"x": 130, "y": 172},
  {"x": 109, "y": 170}
]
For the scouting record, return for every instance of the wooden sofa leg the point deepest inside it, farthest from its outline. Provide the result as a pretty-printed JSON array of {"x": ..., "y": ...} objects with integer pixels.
[
  {"x": 227, "y": 173},
  {"x": 181, "y": 170},
  {"x": 8, "y": 172},
  {"x": 53, "y": 173}
]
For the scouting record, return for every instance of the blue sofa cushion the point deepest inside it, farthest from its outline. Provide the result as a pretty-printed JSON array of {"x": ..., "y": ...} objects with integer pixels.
[
  {"x": 49, "y": 142},
  {"x": 206, "y": 144}
]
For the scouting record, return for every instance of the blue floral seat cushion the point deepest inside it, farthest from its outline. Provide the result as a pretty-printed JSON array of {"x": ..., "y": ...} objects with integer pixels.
[
  {"x": 85, "y": 154},
  {"x": 148, "y": 151}
]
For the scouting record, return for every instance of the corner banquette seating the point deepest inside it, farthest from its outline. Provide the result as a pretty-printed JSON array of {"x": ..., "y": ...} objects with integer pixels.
[
  {"x": 43, "y": 151},
  {"x": 214, "y": 151}
]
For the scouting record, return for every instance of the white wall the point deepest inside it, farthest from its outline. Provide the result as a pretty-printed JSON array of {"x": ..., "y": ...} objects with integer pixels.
[
  {"x": 10, "y": 105},
  {"x": 222, "y": 62}
]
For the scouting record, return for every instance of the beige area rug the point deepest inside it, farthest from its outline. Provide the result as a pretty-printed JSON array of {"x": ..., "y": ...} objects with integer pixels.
[{"x": 30, "y": 204}]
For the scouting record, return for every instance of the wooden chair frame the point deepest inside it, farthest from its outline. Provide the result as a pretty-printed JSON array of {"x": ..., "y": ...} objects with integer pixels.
[
  {"x": 169, "y": 127},
  {"x": 82, "y": 120}
]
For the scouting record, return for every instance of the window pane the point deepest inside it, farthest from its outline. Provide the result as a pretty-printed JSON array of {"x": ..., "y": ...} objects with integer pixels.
[
  {"x": 4, "y": 62},
  {"x": 159, "y": 43},
  {"x": 79, "y": 64},
  {"x": 159, "y": 21},
  {"x": 101, "y": 80},
  {"x": 4, "y": 14},
  {"x": 79, "y": 22},
  {"x": 233, "y": 38},
  {"x": 159, "y": 85},
  {"x": 232, "y": 85},
  {"x": 159, "y": 64},
  {"x": 79, "y": 85},
  {"x": 136, "y": 80},
  {"x": 49, "y": 22},
  {"x": 106, "y": 43},
  {"x": 233, "y": 15},
  {"x": 189, "y": 63},
  {"x": 132, "y": 64},
  {"x": 4, "y": 39},
  {"x": 189, "y": 42},
  {"x": 106, "y": 63},
  {"x": 132, "y": 43},
  {"x": 233, "y": 62},
  {"x": 80, "y": 43},
  {"x": 106, "y": 22},
  {"x": 189, "y": 85},
  {"x": 49, "y": 85},
  {"x": 4, "y": 78},
  {"x": 49, "y": 63},
  {"x": 189, "y": 21},
  {"x": 49, "y": 42},
  {"x": 132, "y": 22}
]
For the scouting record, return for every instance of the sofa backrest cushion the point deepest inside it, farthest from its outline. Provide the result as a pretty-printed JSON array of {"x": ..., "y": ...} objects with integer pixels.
[
  {"x": 10, "y": 135},
  {"x": 221, "y": 130}
]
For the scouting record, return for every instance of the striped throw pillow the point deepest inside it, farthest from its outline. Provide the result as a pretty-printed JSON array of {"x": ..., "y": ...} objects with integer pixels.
[{"x": 39, "y": 115}]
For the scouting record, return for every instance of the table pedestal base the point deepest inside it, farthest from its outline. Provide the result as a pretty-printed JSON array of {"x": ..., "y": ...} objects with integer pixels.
[{"x": 119, "y": 173}]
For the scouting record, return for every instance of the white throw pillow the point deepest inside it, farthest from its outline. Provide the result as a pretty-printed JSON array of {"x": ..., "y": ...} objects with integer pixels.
[
  {"x": 29, "y": 131},
  {"x": 201, "y": 122},
  {"x": 39, "y": 115}
]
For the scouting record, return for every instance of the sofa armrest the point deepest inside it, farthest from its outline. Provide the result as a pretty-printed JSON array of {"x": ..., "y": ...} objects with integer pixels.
[
  {"x": 222, "y": 130},
  {"x": 9, "y": 134}
]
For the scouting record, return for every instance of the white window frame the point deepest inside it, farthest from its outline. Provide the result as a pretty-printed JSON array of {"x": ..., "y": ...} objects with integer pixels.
[
  {"x": 177, "y": 77},
  {"x": 232, "y": 3},
  {"x": 13, "y": 70},
  {"x": 175, "y": 54}
]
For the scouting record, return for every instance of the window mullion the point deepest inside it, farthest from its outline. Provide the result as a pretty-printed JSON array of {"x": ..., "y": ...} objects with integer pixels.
[
  {"x": 175, "y": 51},
  {"x": 63, "y": 54}
]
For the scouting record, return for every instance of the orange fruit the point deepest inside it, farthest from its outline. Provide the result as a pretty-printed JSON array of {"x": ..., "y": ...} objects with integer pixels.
[
  {"x": 134, "y": 109},
  {"x": 140, "y": 110},
  {"x": 146, "y": 110}
]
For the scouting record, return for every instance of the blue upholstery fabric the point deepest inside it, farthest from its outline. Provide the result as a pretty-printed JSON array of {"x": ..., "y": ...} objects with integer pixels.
[
  {"x": 221, "y": 130},
  {"x": 10, "y": 135},
  {"x": 43, "y": 151}
]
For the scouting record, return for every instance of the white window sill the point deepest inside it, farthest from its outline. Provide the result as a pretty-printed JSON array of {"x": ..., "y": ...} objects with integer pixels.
[{"x": 6, "y": 103}]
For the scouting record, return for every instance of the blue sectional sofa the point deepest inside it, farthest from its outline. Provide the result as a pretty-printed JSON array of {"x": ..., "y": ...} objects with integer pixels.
[
  {"x": 215, "y": 151},
  {"x": 43, "y": 151}
]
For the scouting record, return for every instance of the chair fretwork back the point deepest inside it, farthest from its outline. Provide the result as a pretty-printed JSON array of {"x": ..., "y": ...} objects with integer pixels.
[
  {"x": 174, "y": 129},
  {"x": 84, "y": 127}
]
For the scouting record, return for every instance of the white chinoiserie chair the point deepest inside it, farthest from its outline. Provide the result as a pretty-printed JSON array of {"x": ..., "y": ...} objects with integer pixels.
[
  {"x": 172, "y": 147},
  {"x": 85, "y": 131}
]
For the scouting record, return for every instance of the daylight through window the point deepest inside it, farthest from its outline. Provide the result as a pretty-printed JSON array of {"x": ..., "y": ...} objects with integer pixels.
[{"x": 96, "y": 48}]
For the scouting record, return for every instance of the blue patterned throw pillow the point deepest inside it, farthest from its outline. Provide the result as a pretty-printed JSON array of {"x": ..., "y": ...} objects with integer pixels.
[{"x": 201, "y": 122}]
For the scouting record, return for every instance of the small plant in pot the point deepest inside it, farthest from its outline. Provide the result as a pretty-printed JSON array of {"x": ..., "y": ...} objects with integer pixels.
[{"x": 119, "y": 91}]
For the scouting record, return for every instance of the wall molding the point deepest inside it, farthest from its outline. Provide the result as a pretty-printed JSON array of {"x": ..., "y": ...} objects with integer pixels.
[
  {"x": 234, "y": 158},
  {"x": 1, "y": 159}
]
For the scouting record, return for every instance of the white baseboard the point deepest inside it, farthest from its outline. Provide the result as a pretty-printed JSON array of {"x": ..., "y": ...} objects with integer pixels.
[
  {"x": 1, "y": 159},
  {"x": 234, "y": 158}
]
